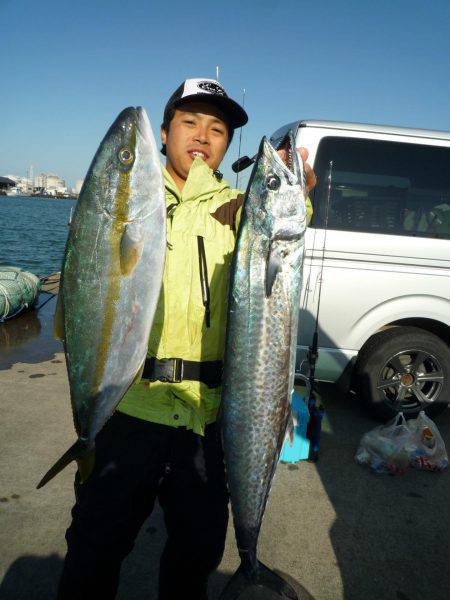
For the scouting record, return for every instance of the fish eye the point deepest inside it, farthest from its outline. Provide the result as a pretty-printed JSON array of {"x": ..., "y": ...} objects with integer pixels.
[
  {"x": 125, "y": 156},
  {"x": 273, "y": 182}
]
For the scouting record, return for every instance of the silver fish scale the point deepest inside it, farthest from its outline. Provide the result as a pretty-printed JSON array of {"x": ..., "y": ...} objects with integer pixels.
[{"x": 258, "y": 374}]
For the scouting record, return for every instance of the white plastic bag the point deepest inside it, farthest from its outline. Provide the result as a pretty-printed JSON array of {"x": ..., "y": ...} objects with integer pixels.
[
  {"x": 384, "y": 448},
  {"x": 426, "y": 447}
]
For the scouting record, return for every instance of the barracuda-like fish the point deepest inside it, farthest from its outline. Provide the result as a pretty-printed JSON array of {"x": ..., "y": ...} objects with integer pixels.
[
  {"x": 260, "y": 351},
  {"x": 111, "y": 278}
]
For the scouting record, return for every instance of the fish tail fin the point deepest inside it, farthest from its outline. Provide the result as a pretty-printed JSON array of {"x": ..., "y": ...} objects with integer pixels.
[
  {"x": 86, "y": 465},
  {"x": 79, "y": 452},
  {"x": 263, "y": 578}
]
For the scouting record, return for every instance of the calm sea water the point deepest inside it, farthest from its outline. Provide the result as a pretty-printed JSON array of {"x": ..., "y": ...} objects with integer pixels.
[{"x": 33, "y": 232}]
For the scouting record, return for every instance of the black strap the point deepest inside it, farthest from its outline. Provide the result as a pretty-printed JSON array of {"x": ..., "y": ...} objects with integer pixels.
[
  {"x": 174, "y": 370},
  {"x": 206, "y": 296}
]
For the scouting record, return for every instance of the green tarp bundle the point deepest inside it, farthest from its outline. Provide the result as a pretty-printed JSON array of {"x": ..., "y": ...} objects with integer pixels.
[{"x": 18, "y": 291}]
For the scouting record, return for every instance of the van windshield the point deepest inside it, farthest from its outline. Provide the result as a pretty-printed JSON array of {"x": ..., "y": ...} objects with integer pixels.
[{"x": 383, "y": 187}]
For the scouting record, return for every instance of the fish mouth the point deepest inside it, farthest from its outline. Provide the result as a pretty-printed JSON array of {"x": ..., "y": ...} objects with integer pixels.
[
  {"x": 134, "y": 116},
  {"x": 291, "y": 166},
  {"x": 142, "y": 122},
  {"x": 293, "y": 160}
]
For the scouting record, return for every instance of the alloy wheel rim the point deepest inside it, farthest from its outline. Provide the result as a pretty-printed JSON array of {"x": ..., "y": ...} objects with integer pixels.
[{"x": 410, "y": 379}]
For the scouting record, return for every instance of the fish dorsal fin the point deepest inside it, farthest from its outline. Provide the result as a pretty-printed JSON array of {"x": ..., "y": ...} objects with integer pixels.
[
  {"x": 131, "y": 246},
  {"x": 58, "y": 320}
]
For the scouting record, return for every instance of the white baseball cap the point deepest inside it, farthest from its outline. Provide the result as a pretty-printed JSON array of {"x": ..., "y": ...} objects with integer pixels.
[{"x": 211, "y": 91}]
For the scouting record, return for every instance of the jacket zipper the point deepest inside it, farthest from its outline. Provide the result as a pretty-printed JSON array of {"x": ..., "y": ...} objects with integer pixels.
[
  {"x": 170, "y": 214},
  {"x": 203, "y": 268}
]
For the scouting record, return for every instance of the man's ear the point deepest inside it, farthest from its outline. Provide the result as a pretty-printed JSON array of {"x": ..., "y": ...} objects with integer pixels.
[{"x": 163, "y": 136}]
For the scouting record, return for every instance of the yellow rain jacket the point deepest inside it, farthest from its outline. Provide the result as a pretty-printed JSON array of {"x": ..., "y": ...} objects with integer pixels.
[{"x": 206, "y": 207}]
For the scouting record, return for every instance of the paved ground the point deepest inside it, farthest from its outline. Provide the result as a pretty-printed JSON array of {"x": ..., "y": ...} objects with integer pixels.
[{"x": 334, "y": 528}]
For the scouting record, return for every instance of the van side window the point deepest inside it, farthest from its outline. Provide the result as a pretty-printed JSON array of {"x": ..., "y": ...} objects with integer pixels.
[{"x": 383, "y": 187}]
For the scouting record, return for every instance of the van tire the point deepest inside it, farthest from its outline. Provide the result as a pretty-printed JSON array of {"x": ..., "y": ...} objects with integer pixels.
[{"x": 374, "y": 366}]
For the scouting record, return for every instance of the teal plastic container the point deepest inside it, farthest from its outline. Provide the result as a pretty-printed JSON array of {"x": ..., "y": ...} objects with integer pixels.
[{"x": 299, "y": 450}]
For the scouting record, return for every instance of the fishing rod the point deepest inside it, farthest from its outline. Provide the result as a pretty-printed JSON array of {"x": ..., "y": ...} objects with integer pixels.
[
  {"x": 242, "y": 163},
  {"x": 240, "y": 143},
  {"x": 316, "y": 412}
]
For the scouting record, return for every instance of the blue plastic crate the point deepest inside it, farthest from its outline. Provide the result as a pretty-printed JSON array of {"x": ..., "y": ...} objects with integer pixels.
[{"x": 299, "y": 450}]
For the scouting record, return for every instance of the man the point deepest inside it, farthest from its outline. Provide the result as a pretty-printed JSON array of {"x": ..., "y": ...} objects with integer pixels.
[{"x": 163, "y": 442}]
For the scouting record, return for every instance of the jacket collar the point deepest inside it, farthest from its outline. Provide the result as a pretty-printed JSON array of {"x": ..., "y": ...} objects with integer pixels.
[{"x": 201, "y": 183}]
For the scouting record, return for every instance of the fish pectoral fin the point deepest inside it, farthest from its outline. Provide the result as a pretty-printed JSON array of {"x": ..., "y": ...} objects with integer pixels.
[
  {"x": 131, "y": 246},
  {"x": 58, "y": 320},
  {"x": 273, "y": 267}
]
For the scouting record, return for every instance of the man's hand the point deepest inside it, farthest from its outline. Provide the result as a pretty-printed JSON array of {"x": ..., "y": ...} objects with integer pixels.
[{"x": 311, "y": 179}]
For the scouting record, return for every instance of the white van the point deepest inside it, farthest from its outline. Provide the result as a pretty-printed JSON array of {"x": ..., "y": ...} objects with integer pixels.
[{"x": 380, "y": 236}]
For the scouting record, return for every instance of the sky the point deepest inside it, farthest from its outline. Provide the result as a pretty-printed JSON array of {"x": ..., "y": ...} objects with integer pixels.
[{"x": 68, "y": 68}]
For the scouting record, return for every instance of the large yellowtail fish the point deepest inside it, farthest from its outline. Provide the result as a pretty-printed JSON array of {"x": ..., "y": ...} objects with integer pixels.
[
  {"x": 110, "y": 279},
  {"x": 263, "y": 309}
]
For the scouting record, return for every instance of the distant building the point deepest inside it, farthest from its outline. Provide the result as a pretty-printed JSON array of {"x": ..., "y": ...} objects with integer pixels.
[
  {"x": 45, "y": 184},
  {"x": 49, "y": 183},
  {"x": 39, "y": 181},
  {"x": 54, "y": 182},
  {"x": 78, "y": 185}
]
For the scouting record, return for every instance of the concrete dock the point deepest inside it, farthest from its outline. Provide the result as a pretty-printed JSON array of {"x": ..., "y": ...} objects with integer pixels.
[{"x": 333, "y": 528}]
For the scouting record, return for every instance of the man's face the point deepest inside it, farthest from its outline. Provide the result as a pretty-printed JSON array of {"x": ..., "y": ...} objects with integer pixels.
[{"x": 197, "y": 129}]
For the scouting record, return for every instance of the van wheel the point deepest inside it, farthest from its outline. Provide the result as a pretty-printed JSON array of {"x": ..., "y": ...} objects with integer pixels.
[{"x": 404, "y": 369}]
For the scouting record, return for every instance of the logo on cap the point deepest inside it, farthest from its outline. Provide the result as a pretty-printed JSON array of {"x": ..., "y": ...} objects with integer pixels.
[{"x": 211, "y": 88}]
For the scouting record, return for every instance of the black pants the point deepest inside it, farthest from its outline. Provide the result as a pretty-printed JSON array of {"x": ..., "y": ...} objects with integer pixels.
[{"x": 137, "y": 462}]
